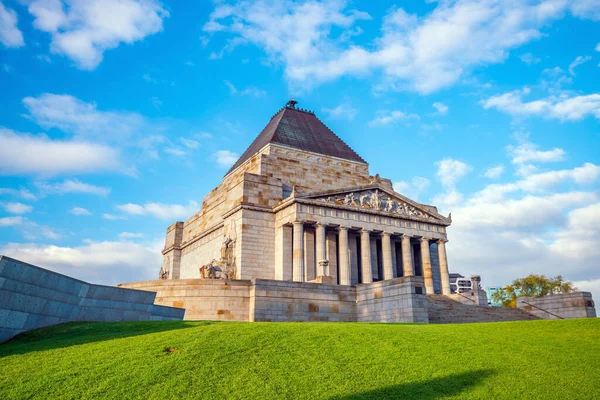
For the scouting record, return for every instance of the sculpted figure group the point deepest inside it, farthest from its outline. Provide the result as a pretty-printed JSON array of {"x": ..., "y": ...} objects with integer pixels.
[{"x": 375, "y": 200}]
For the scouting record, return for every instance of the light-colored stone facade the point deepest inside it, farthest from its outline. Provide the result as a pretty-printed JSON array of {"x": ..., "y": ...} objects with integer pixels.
[{"x": 275, "y": 225}]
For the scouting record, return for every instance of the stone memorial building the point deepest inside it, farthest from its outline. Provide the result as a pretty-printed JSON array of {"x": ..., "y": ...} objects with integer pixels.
[{"x": 300, "y": 205}]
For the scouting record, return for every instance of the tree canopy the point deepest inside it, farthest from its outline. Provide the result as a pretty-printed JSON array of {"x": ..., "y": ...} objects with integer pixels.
[{"x": 531, "y": 286}]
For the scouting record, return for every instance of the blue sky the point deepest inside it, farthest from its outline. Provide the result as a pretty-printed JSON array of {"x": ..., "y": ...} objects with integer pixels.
[{"x": 116, "y": 118}]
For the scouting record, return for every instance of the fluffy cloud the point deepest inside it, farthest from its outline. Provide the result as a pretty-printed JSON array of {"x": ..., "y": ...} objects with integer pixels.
[
  {"x": 79, "y": 211},
  {"x": 577, "y": 62},
  {"x": 412, "y": 189},
  {"x": 494, "y": 172},
  {"x": 10, "y": 35},
  {"x": 528, "y": 152},
  {"x": 226, "y": 158},
  {"x": 420, "y": 53},
  {"x": 22, "y": 193},
  {"x": 106, "y": 262},
  {"x": 529, "y": 59},
  {"x": 386, "y": 117},
  {"x": 16, "y": 208},
  {"x": 441, "y": 108},
  {"x": 558, "y": 107},
  {"x": 73, "y": 115},
  {"x": 11, "y": 221},
  {"x": 451, "y": 171},
  {"x": 249, "y": 91},
  {"x": 343, "y": 110},
  {"x": 42, "y": 156},
  {"x": 84, "y": 29},
  {"x": 72, "y": 186},
  {"x": 166, "y": 212}
]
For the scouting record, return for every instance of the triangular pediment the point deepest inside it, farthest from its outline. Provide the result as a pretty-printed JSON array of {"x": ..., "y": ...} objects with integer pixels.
[{"x": 377, "y": 198}]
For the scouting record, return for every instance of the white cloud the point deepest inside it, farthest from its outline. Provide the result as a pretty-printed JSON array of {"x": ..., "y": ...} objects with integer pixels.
[
  {"x": 16, "y": 208},
  {"x": 73, "y": 115},
  {"x": 189, "y": 143},
  {"x": 598, "y": 47},
  {"x": 451, "y": 171},
  {"x": 529, "y": 59},
  {"x": 72, "y": 186},
  {"x": 226, "y": 158},
  {"x": 84, "y": 29},
  {"x": 175, "y": 151},
  {"x": 166, "y": 212},
  {"x": 577, "y": 62},
  {"x": 79, "y": 211},
  {"x": 557, "y": 107},
  {"x": 112, "y": 217},
  {"x": 105, "y": 262},
  {"x": 528, "y": 152},
  {"x": 29, "y": 229},
  {"x": 22, "y": 193},
  {"x": 494, "y": 172},
  {"x": 249, "y": 91},
  {"x": 11, "y": 221},
  {"x": 441, "y": 108},
  {"x": 130, "y": 235},
  {"x": 412, "y": 189},
  {"x": 253, "y": 91},
  {"x": 344, "y": 110},
  {"x": 312, "y": 39},
  {"x": 39, "y": 155},
  {"x": 230, "y": 86},
  {"x": 386, "y": 117},
  {"x": 10, "y": 35}
]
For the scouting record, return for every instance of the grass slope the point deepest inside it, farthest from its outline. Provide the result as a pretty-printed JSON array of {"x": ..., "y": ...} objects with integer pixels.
[{"x": 513, "y": 360}]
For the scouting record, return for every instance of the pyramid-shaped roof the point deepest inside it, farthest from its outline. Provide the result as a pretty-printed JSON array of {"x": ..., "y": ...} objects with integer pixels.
[{"x": 300, "y": 129}]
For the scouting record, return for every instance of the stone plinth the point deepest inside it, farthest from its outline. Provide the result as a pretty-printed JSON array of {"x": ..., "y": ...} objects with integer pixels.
[{"x": 557, "y": 306}]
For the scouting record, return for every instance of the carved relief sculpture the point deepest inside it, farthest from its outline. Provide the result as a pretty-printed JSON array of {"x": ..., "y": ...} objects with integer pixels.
[{"x": 375, "y": 200}]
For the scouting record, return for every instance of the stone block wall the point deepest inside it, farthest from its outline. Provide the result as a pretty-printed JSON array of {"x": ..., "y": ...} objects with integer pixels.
[
  {"x": 32, "y": 297},
  {"x": 393, "y": 300},
  {"x": 279, "y": 301},
  {"x": 568, "y": 305},
  {"x": 202, "y": 299},
  {"x": 271, "y": 300}
]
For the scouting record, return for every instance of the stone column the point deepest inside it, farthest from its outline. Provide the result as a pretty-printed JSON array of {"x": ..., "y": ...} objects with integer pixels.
[
  {"x": 444, "y": 275},
  {"x": 298, "y": 252},
  {"x": 310, "y": 266},
  {"x": 344, "y": 265},
  {"x": 365, "y": 251},
  {"x": 386, "y": 250},
  {"x": 321, "y": 245},
  {"x": 407, "y": 259},
  {"x": 427, "y": 272}
]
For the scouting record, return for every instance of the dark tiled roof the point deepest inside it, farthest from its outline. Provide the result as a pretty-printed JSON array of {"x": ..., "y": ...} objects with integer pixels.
[{"x": 302, "y": 130}]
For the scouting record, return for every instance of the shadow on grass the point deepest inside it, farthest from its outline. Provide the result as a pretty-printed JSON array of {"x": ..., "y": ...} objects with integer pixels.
[
  {"x": 451, "y": 385},
  {"x": 77, "y": 333}
]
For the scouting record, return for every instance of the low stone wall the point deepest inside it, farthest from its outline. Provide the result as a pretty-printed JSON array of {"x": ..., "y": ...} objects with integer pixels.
[
  {"x": 202, "y": 299},
  {"x": 294, "y": 301},
  {"x": 271, "y": 300},
  {"x": 568, "y": 305},
  {"x": 32, "y": 297},
  {"x": 392, "y": 300},
  {"x": 472, "y": 297}
]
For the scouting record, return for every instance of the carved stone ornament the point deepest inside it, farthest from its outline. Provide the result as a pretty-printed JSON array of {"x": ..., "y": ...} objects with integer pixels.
[
  {"x": 224, "y": 268},
  {"x": 375, "y": 200}
]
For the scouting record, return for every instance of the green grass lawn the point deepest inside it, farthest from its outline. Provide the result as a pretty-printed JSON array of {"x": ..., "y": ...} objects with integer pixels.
[{"x": 512, "y": 360}]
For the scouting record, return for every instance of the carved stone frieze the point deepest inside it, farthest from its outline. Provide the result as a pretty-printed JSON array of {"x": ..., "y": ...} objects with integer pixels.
[{"x": 375, "y": 200}]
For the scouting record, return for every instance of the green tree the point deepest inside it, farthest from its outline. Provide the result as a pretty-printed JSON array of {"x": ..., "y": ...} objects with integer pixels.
[{"x": 531, "y": 286}]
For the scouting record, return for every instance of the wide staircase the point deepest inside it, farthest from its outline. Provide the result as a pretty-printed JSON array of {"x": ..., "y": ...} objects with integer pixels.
[{"x": 443, "y": 310}]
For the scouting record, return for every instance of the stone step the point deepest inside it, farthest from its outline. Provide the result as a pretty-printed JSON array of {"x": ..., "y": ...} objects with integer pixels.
[{"x": 444, "y": 310}]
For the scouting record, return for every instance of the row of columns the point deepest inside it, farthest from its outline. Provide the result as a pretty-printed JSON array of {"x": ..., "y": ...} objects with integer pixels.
[{"x": 298, "y": 266}]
